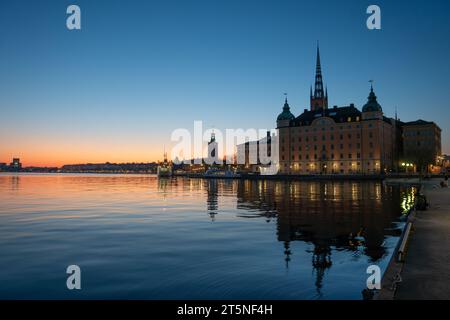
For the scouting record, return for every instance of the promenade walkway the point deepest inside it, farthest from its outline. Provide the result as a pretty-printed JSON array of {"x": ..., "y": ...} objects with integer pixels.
[{"x": 426, "y": 272}]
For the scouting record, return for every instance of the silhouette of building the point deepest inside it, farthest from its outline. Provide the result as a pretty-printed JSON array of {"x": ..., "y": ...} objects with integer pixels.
[{"x": 15, "y": 165}]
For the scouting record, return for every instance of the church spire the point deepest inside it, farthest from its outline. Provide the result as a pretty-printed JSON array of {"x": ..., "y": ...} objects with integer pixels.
[
  {"x": 320, "y": 99},
  {"x": 318, "y": 87}
]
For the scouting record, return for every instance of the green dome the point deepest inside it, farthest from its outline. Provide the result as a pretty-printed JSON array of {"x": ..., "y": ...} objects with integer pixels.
[
  {"x": 372, "y": 105},
  {"x": 286, "y": 114}
]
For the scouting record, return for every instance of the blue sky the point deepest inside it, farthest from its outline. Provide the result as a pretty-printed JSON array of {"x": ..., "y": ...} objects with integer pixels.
[{"x": 137, "y": 70}]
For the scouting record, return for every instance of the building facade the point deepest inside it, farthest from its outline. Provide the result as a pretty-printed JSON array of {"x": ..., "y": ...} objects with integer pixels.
[
  {"x": 337, "y": 140},
  {"x": 422, "y": 145}
]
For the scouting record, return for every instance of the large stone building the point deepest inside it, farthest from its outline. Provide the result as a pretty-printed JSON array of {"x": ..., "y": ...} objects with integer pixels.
[
  {"x": 337, "y": 140},
  {"x": 422, "y": 145}
]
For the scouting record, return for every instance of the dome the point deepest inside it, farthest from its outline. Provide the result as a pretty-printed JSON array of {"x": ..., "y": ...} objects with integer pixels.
[
  {"x": 286, "y": 114},
  {"x": 372, "y": 104}
]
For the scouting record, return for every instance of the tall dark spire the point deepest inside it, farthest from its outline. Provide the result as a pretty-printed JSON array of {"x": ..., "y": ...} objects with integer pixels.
[
  {"x": 318, "y": 87},
  {"x": 320, "y": 99}
]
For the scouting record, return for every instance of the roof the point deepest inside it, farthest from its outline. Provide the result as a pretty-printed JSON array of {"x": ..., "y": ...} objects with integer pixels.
[
  {"x": 339, "y": 115},
  {"x": 372, "y": 104},
  {"x": 286, "y": 114},
  {"x": 419, "y": 122}
]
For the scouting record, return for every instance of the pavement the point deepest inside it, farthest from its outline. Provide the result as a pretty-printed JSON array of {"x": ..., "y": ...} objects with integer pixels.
[{"x": 426, "y": 271}]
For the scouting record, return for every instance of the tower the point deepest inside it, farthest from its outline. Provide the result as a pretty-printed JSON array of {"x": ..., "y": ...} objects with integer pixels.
[
  {"x": 284, "y": 118},
  {"x": 319, "y": 100},
  {"x": 372, "y": 109}
]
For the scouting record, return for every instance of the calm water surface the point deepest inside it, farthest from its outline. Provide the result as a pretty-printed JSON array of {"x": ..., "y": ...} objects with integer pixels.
[{"x": 137, "y": 237}]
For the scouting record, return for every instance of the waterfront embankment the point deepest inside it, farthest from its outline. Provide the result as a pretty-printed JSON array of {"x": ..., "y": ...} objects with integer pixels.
[{"x": 426, "y": 272}]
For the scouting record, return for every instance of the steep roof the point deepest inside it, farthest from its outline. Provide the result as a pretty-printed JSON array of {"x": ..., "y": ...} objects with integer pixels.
[{"x": 339, "y": 115}]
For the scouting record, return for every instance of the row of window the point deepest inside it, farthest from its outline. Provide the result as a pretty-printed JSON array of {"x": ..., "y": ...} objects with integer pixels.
[
  {"x": 370, "y": 125},
  {"x": 324, "y": 156},
  {"x": 324, "y": 138},
  {"x": 341, "y": 146}
]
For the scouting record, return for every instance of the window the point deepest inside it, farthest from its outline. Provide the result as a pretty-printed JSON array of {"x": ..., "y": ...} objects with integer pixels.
[
  {"x": 358, "y": 155},
  {"x": 349, "y": 155}
]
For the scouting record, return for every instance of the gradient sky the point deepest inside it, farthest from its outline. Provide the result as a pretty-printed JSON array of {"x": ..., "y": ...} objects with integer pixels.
[{"x": 137, "y": 70}]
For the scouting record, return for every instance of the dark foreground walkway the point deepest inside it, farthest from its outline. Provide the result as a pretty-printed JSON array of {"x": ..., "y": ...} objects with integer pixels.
[{"x": 426, "y": 272}]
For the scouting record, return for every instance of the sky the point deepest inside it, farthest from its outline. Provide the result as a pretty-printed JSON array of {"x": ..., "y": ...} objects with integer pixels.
[{"x": 137, "y": 70}]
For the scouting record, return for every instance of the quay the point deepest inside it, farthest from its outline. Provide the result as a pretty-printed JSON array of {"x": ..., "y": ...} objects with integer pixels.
[
  {"x": 393, "y": 179},
  {"x": 426, "y": 272},
  {"x": 423, "y": 271},
  {"x": 284, "y": 177}
]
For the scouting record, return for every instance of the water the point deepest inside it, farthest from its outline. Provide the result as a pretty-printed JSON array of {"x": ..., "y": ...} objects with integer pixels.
[{"x": 137, "y": 237}]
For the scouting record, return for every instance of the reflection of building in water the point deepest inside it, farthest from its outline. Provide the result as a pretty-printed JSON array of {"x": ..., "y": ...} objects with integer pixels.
[
  {"x": 15, "y": 182},
  {"x": 212, "y": 198},
  {"x": 329, "y": 215},
  {"x": 321, "y": 261}
]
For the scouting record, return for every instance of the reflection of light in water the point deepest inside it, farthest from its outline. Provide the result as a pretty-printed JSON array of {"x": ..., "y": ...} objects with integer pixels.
[
  {"x": 408, "y": 198},
  {"x": 355, "y": 191},
  {"x": 325, "y": 191},
  {"x": 378, "y": 191},
  {"x": 295, "y": 190},
  {"x": 312, "y": 191},
  {"x": 277, "y": 189}
]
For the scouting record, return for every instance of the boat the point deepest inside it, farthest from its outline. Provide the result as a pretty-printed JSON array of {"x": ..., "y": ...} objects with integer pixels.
[
  {"x": 164, "y": 168},
  {"x": 220, "y": 173}
]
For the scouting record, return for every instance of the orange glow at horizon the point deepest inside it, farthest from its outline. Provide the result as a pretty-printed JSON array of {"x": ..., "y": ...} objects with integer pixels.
[{"x": 57, "y": 153}]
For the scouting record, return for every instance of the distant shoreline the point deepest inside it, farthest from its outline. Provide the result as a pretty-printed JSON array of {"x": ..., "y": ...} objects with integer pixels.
[{"x": 336, "y": 177}]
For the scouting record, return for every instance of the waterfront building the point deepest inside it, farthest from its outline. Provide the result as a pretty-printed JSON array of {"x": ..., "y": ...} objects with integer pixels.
[
  {"x": 337, "y": 140},
  {"x": 15, "y": 165},
  {"x": 3, "y": 166},
  {"x": 446, "y": 163},
  {"x": 422, "y": 145},
  {"x": 213, "y": 151},
  {"x": 249, "y": 154}
]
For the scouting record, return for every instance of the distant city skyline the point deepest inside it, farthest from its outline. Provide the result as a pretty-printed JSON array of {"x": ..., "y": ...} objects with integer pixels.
[{"x": 115, "y": 90}]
